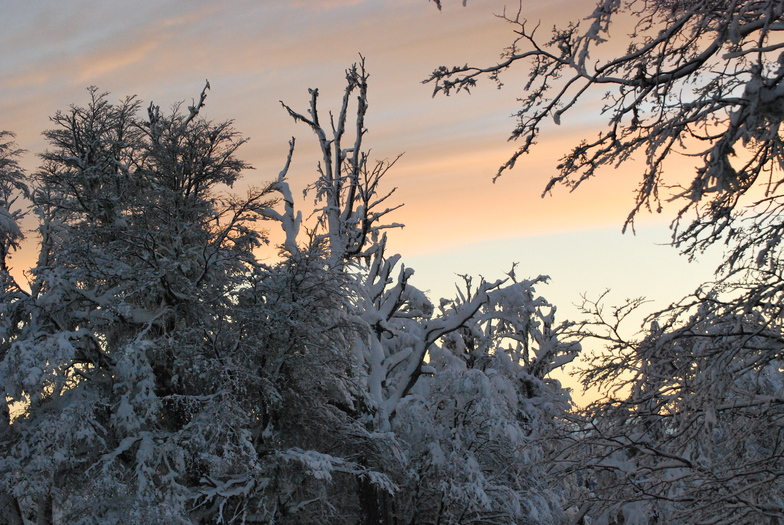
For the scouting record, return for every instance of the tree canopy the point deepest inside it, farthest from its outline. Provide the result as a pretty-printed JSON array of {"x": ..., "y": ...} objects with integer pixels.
[
  {"x": 690, "y": 430},
  {"x": 157, "y": 370}
]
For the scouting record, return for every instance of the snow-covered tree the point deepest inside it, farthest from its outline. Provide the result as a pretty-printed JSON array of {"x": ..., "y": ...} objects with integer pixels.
[
  {"x": 460, "y": 391},
  {"x": 13, "y": 298},
  {"x": 129, "y": 311},
  {"x": 163, "y": 374},
  {"x": 347, "y": 187},
  {"x": 690, "y": 429},
  {"x": 12, "y": 187},
  {"x": 480, "y": 427}
]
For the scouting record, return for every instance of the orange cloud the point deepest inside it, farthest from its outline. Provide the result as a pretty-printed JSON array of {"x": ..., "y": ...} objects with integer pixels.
[{"x": 103, "y": 62}]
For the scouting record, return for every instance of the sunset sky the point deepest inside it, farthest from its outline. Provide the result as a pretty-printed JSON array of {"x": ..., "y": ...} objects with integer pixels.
[{"x": 258, "y": 52}]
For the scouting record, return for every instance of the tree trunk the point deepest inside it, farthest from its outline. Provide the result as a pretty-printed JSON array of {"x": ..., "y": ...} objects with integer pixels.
[
  {"x": 10, "y": 512},
  {"x": 44, "y": 514},
  {"x": 374, "y": 505}
]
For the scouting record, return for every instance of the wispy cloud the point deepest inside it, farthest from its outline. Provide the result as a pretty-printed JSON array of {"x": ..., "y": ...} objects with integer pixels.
[{"x": 320, "y": 5}]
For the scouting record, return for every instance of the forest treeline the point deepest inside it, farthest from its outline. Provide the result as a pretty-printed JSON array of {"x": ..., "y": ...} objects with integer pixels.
[{"x": 157, "y": 368}]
